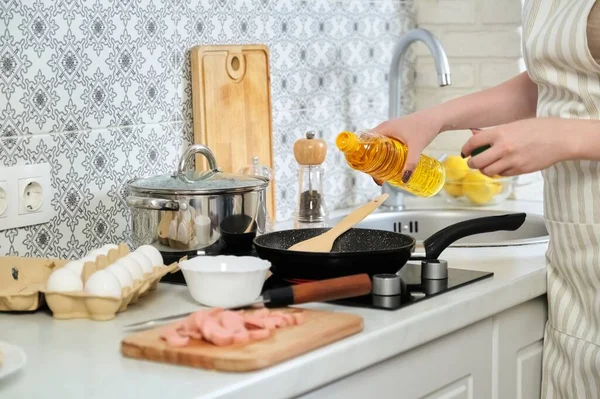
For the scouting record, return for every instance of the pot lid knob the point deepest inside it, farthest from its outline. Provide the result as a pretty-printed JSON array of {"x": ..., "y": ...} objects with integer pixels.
[
  {"x": 310, "y": 151},
  {"x": 183, "y": 168}
]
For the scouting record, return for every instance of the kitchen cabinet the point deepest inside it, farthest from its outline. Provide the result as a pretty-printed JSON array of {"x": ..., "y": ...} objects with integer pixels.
[
  {"x": 517, "y": 340},
  {"x": 498, "y": 357}
]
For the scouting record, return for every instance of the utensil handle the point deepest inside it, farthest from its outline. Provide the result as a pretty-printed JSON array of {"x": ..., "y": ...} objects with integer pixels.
[
  {"x": 157, "y": 204},
  {"x": 187, "y": 156},
  {"x": 356, "y": 216},
  {"x": 441, "y": 240},
  {"x": 319, "y": 291}
]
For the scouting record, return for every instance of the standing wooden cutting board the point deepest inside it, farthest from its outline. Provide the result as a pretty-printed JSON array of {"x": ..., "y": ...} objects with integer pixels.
[
  {"x": 231, "y": 98},
  {"x": 320, "y": 328}
]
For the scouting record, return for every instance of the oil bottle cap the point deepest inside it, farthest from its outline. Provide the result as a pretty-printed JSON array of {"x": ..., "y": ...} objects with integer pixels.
[{"x": 310, "y": 151}]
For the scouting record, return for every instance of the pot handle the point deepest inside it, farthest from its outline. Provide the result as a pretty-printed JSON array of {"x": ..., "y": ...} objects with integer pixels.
[
  {"x": 188, "y": 155},
  {"x": 441, "y": 240},
  {"x": 156, "y": 204}
]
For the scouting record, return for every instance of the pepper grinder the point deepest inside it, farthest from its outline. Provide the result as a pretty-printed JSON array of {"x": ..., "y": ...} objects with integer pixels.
[{"x": 310, "y": 154}]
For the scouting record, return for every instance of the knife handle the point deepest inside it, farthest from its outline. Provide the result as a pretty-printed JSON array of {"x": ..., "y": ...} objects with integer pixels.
[{"x": 319, "y": 291}]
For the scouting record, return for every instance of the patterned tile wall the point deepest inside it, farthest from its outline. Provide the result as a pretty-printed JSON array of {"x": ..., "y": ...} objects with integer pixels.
[{"x": 101, "y": 90}]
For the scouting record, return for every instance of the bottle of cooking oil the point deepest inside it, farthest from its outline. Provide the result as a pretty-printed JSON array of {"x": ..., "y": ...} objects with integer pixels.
[{"x": 383, "y": 158}]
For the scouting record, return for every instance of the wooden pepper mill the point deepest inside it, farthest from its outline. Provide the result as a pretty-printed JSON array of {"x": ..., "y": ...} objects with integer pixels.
[{"x": 310, "y": 154}]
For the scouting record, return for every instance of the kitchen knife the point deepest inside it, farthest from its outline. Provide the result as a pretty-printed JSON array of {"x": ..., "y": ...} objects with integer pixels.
[{"x": 317, "y": 291}]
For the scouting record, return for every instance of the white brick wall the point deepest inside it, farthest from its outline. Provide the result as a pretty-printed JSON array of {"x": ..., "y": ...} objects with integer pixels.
[{"x": 483, "y": 41}]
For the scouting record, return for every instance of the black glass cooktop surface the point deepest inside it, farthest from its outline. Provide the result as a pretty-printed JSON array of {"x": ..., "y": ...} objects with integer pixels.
[{"x": 414, "y": 289}]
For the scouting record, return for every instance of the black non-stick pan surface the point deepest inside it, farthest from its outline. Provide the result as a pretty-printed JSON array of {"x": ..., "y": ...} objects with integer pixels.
[{"x": 366, "y": 250}]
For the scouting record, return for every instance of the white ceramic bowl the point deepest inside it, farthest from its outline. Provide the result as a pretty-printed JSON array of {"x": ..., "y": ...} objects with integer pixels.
[{"x": 225, "y": 281}]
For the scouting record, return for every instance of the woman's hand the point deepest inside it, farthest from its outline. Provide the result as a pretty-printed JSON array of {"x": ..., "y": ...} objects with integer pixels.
[
  {"x": 522, "y": 147},
  {"x": 415, "y": 130}
]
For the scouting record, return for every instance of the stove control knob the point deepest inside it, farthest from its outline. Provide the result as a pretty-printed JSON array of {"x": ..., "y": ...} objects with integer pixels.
[
  {"x": 434, "y": 269},
  {"x": 387, "y": 284}
]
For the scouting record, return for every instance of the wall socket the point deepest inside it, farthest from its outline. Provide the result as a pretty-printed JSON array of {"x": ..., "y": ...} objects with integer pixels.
[{"x": 25, "y": 196}]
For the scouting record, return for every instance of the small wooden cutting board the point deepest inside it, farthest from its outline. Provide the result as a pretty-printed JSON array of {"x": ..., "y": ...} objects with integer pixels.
[{"x": 319, "y": 328}]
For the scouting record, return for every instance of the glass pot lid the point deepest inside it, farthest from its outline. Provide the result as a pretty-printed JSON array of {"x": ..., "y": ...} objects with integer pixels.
[{"x": 190, "y": 182}]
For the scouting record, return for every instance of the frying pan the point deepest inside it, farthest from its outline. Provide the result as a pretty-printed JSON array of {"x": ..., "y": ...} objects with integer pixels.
[{"x": 366, "y": 250}]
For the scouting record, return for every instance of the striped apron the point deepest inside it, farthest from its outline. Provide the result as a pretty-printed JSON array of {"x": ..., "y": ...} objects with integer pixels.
[{"x": 559, "y": 61}]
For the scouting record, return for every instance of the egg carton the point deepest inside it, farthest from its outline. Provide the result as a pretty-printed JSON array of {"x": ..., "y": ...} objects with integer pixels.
[
  {"x": 81, "y": 305},
  {"x": 21, "y": 281}
]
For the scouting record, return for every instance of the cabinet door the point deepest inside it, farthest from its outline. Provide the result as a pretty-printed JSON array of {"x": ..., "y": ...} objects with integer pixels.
[
  {"x": 457, "y": 366},
  {"x": 517, "y": 347}
]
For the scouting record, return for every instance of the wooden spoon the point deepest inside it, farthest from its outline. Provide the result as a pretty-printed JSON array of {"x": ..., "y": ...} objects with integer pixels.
[{"x": 324, "y": 242}]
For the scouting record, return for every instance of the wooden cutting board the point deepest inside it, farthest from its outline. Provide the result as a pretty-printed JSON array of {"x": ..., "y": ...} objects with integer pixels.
[
  {"x": 320, "y": 328},
  {"x": 231, "y": 99}
]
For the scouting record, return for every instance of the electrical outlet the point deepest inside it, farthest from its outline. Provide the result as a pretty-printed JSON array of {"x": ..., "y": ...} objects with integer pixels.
[
  {"x": 28, "y": 191},
  {"x": 31, "y": 195}
]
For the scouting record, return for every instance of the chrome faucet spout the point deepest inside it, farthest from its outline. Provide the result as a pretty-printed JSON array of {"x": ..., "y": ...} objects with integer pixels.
[{"x": 396, "y": 198}]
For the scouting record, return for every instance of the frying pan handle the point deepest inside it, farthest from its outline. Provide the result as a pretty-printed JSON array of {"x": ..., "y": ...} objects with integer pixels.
[
  {"x": 441, "y": 240},
  {"x": 319, "y": 291}
]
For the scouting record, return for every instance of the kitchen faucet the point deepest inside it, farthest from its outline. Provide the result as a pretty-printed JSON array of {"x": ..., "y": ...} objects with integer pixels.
[{"x": 396, "y": 196}]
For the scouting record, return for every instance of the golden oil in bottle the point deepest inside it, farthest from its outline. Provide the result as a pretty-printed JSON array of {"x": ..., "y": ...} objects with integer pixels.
[{"x": 383, "y": 158}]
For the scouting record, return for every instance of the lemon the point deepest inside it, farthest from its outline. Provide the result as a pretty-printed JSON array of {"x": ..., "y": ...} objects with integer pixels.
[
  {"x": 456, "y": 167},
  {"x": 479, "y": 188},
  {"x": 454, "y": 189},
  {"x": 498, "y": 186}
]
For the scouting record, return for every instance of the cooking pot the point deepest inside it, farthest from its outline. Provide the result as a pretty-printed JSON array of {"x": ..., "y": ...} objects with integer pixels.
[{"x": 189, "y": 213}]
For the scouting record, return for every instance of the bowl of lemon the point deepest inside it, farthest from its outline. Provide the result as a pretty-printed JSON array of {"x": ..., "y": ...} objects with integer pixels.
[{"x": 468, "y": 186}]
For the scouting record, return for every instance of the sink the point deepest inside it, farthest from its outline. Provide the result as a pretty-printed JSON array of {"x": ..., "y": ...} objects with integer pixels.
[{"x": 424, "y": 222}]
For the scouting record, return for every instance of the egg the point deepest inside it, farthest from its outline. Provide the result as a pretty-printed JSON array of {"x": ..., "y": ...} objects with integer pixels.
[
  {"x": 109, "y": 247},
  {"x": 152, "y": 253},
  {"x": 103, "y": 283},
  {"x": 124, "y": 276},
  {"x": 88, "y": 258},
  {"x": 142, "y": 260},
  {"x": 64, "y": 280},
  {"x": 76, "y": 266},
  {"x": 134, "y": 268},
  {"x": 95, "y": 253}
]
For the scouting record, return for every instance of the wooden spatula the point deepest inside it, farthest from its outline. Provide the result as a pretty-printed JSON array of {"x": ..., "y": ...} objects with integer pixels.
[{"x": 324, "y": 242}]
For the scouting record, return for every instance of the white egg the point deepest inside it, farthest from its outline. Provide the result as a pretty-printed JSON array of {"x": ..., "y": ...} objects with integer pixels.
[
  {"x": 124, "y": 275},
  {"x": 76, "y": 266},
  {"x": 95, "y": 253},
  {"x": 64, "y": 280},
  {"x": 152, "y": 253},
  {"x": 109, "y": 247},
  {"x": 103, "y": 283},
  {"x": 142, "y": 260},
  {"x": 136, "y": 270},
  {"x": 88, "y": 258}
]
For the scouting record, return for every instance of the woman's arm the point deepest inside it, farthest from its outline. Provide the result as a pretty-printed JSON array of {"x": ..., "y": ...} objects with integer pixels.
[
  {"x": 510, "y": 101},
  {"x": 584, "y": 136}
]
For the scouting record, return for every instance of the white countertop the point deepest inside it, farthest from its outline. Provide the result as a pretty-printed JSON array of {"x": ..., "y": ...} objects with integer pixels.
[{"x": 81, "y": 358}]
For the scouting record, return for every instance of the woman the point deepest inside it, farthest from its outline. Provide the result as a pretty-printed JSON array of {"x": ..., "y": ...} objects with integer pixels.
[{"x": 547, "y": 119}]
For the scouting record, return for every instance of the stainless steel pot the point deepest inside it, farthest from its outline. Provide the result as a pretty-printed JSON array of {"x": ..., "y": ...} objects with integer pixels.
[{"x": 190, "y": 212}]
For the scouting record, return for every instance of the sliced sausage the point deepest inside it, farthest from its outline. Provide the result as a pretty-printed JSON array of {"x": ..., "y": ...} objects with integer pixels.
[
  {"x": 259, "y": 335},
  {"x": 241, "y": 337},
  {"x": 173, "y": 338},
  {"x": 232, "y": 321}
]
